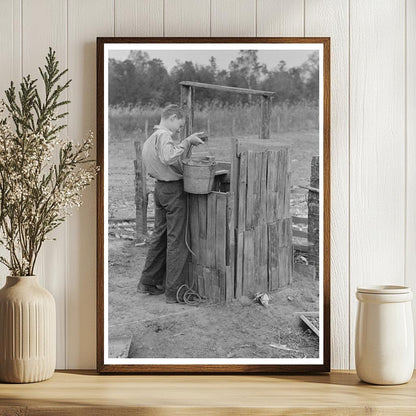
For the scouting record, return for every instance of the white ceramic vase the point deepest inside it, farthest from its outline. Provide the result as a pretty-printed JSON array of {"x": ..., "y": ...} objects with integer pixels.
[
  {"x": 384, "y": 337},
  {"x": 27, "y": 331}
]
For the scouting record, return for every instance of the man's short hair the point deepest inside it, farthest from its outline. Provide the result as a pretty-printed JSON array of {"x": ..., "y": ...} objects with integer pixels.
[{"x": 171, "y": 110}]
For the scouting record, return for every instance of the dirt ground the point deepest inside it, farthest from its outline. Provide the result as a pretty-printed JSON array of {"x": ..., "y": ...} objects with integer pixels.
[{"x": 236, "y": 330}]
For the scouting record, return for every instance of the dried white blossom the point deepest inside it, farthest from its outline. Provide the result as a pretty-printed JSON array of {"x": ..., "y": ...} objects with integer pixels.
[{"x": 41, "y": 179}]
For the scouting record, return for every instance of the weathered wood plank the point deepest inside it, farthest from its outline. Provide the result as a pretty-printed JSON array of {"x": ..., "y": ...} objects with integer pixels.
[
  {"x": 202, "y": 223},
  {"x": 273, "y": 256},
  {"x": 229, "y": 284},
  {"x": 257, "y": 188},
  {"x": 281, "y": 183},
  {"x": 263, "y": 189},
  {"x": 229, "y": 233},
  {"x": 291, "y": 263},
  {"x": 220, "y": 231},
  {"x": 256, "y": 259},
  {"x": 257, "y": 145},
  {"x": 219, "y": 280},
  {"x": 215, "y": 286},
  {"x": 239, "y": 275},
  {"x": 289, "y": 180},
  {"x": 200, "y": 279},
  {"x": 226, "y": 88},
  {"x": 191, "y": 278},
  {"x": 206, "y": 272},
  {"x": 271, "y": 184},
  {"x": 302, "y": 234},
  {"x": 289, "y": 231},
  {"x": 193, "y": 222},
  {"x": 232, "y": 208},
  {"x": 140, "y": 191},
  {"x": 250, "y": 197},
  {"x": 222, "y": 283},
  {"x": 235, "y": 172},
  {"x": 248, "y": 279},
  {"x": 211, "y": 220},
  {"x": 242, "y": 192},
  {"x": 284, "y": 268},
  {"x": 265, "y": 117},
  {"x": 264, "y": 258},
  {"x": 300, "y": 220}
]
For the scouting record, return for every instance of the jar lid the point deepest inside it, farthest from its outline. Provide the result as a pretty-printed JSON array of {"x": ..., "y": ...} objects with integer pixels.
[{"x": 384, "y": 289}]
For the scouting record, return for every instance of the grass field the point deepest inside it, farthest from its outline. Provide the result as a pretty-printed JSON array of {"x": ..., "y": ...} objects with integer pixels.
[{"x": 218, "y": 121}]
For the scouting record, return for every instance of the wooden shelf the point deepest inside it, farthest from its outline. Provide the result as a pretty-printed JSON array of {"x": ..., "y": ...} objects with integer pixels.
[{"x": 85, "y": 393}]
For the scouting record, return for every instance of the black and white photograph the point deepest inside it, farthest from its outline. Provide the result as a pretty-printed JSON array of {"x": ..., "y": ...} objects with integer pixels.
[{"x": 213, "y": 204}]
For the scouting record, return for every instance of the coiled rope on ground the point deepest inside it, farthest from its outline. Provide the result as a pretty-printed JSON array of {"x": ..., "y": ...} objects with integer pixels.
[{"x": 189, "y": 296}]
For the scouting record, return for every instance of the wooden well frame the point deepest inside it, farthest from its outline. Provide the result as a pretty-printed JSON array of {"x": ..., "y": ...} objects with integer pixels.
[{"x": 242, "y": 239}]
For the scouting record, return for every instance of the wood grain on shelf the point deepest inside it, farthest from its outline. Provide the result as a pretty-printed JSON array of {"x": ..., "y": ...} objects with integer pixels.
[{"x": 85, "y": 392}]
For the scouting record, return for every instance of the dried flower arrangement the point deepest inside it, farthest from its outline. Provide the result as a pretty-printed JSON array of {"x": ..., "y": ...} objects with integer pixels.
[{"x": 42, "y": 176}]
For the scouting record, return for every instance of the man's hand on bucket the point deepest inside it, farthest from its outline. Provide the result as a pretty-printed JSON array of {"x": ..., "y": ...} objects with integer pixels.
[{"x": 194, "y": 139}]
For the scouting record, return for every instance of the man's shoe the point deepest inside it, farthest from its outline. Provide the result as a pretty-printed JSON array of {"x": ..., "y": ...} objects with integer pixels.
[
  {"x": 149, "y": 289},
  {"x": 171, "y": 300}
]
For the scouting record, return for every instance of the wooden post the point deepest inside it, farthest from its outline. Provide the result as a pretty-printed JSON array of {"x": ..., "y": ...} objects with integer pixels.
[
  {"x": 313, "y": 216},
  {"x": 140, "y": 192},
  {"x": 184, "y": 101},
  {"x": 265, "y": 113},
  {"x": 233, "y": 215},
  {"x": 187, "y": 95}
]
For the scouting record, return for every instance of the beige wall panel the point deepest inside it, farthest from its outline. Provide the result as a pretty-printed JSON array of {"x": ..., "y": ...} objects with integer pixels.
[
  {"x": 44, "y": 24},
  {"x": 10, "y": 44},
  {"x": 187, "y": 18},
  {"x": 280, "y": 18},
  {"x": 138, "y": 17},
  {"x": 411, "y": 149},
  {"x": 330, "y": 18},
  {"x": 87, "y": 20},
  {"x": 233, "y": 18},
  {"x": 377, "y": 147},
  {"x": 10, "y": 66}
]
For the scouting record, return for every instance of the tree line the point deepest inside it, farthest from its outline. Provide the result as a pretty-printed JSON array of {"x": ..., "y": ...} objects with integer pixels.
[{"x": 139, "y": 80}]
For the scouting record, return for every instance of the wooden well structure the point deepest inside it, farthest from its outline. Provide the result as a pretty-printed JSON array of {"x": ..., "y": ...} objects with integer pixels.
[{"x": 241, "y": 232}]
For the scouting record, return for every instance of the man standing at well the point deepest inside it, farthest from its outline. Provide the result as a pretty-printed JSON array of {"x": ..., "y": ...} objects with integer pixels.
[{"x": 168, "y": 254}]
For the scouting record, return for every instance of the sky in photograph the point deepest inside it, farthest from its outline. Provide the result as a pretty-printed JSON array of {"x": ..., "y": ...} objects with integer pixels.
[{"x": 223, "y": 58}]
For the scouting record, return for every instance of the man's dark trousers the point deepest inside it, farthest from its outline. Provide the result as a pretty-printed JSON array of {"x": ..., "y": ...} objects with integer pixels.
[{"x": 168, "y": 254}]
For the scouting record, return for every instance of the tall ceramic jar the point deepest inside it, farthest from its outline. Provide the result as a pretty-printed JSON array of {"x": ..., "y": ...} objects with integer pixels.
[
  {"x": 384, "y": 341},
  {"x": 27, "y": 331}
]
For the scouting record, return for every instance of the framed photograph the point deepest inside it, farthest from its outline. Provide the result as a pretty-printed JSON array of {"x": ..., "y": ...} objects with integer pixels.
[{"x": 213, "y": 205}]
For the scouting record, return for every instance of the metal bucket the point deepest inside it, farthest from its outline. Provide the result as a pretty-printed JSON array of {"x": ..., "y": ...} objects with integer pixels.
[{"x": 198, "y": 175}]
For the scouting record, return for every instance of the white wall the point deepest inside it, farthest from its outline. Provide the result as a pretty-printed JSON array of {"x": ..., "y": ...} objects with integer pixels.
[{"x": 373, "y": 132}]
